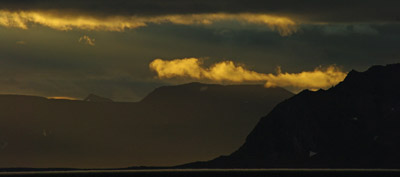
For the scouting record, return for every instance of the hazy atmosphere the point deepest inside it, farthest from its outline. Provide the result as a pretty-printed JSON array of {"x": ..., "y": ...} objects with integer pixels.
[
  {"x": 73, "y": 48},
  {"x": 233, "y": 84}
]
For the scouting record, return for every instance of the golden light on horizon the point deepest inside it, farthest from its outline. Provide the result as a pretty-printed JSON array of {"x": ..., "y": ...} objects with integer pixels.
[{"x": 62, "y": 98}]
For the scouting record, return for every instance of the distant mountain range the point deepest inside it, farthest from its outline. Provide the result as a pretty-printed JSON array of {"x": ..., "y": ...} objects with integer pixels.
[
  {"x": 355, "y": 124},
  {"x": 172, "y": 125}
]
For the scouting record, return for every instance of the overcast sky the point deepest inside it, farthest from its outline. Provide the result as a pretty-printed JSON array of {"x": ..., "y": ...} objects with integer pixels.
[{"x": 73, "y": 48}]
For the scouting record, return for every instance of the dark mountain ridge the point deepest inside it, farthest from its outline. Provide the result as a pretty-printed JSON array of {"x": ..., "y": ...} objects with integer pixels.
[
  {"x": 355, "y": 124},
  {"x": 173, "y": 125},
  {"x": 196, "y": 90}
]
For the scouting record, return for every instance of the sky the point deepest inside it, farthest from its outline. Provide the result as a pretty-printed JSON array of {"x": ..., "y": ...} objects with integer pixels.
[{"x": 124, "y": 49}]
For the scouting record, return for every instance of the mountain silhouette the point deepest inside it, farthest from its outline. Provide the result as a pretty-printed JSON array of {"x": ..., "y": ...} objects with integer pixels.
[
  {"x": 355, "y": 124},
  {"x": 172, "y": 125},
  {"x": 96, "y": 98}
]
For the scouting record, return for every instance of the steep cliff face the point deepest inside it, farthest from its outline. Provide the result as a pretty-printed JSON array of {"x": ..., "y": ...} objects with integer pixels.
[{"x": 355, "y": 124}]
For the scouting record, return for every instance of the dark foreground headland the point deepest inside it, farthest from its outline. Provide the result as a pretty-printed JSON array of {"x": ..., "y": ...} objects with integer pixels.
[{"x": 355, "y": 124}]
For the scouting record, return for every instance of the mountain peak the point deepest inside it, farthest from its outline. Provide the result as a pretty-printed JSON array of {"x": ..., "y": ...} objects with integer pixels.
[
  {"x": 199, "y": 91},
  {"x": 187, "y": 122},
  {"x": 96, "y": 98},
  {"x": 340, "y": 126},
  {"x": 375, "y": 71}
]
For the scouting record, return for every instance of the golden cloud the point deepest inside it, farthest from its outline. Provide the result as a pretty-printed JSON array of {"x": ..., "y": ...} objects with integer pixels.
[
  {"x": 229, "y": 71},
  {"x": 319, "y": 78},
  {"x": 87, "y": 40},
  {"x": 23, "y": 19},
  {"x": 62, "y": 98}
]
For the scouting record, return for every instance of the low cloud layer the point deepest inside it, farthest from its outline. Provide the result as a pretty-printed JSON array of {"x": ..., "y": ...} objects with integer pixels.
[
  {"x": 231, "y": 72},
  {"x": 23, "y": 20},
  {"x": 318, "y": 78}
]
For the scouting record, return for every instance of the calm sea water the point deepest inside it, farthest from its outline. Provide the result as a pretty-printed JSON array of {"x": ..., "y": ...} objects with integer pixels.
[{"x": 212, "y": 173}]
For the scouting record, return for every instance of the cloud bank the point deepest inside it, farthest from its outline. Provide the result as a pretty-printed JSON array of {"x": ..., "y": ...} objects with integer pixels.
[
  {"x": 23, "y": 19},
  {"x": 306, "y": 10},
  {"x": 283, "y": 16},
  {"x": 231, "y": 72}
]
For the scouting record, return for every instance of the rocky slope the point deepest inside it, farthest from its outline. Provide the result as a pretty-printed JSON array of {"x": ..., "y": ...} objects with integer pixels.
[{"x": 355, "y": 124}]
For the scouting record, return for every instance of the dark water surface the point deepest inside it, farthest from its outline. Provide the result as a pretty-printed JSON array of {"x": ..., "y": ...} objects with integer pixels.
[{"x": 212, "y": 173}]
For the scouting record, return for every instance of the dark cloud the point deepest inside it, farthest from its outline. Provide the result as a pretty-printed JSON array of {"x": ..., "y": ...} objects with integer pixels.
[
  {"x": 351, "y": 46},
  {"x": 308, "y": 11},
  {"x": 53, "y": 63}
]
